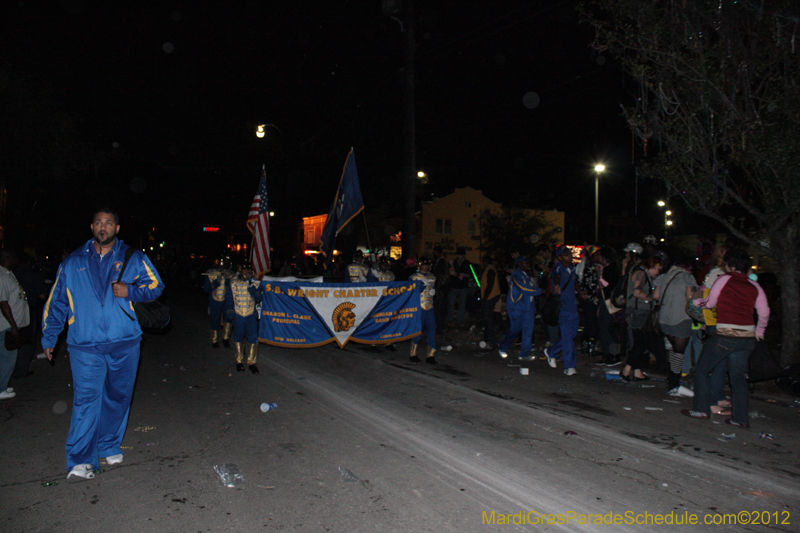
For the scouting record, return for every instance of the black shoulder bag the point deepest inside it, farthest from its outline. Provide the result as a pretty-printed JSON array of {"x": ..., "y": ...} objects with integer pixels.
[
  {"x": 653, "y": 324},
  {"x": 151, "y": 314}
]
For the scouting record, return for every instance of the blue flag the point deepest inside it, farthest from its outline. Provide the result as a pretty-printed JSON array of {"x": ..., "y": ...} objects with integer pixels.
[{"x": 346, "y": 206}]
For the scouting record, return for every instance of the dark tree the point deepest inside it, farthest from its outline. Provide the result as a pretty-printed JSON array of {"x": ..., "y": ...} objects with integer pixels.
[
  {"x": 514, "y": 228},
  {"x": 719, "y": 108}
]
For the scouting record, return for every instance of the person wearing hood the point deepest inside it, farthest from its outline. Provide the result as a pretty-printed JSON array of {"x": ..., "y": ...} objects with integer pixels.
[{"x": 521, "y": 309}]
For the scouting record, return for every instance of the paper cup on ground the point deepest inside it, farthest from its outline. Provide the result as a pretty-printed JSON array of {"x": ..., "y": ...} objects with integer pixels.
[{"x": 523, "y": 371}]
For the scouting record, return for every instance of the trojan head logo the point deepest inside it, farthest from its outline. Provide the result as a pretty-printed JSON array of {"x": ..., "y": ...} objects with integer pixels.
[
  {"x": 343, "y": 317},
  {"x": 117, "y": 266}
]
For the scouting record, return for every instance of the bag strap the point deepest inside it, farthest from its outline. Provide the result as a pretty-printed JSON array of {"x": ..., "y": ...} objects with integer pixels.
[
  {"x": 568, "y": 280},
  {"x": 128, "y": 255},
  {"x": 603, "y": 290},
  {"x": 661, "y": 300}
]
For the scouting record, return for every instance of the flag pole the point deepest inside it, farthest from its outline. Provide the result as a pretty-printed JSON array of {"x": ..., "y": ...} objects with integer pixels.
[
  {"x": 366, "y": 227},
  {"x": 364, "y": 212},
  {"x": 253, "y": 235}
]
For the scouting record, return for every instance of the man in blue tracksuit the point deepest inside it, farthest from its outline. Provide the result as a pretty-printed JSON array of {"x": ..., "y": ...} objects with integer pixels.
[
  {"x": 564, "y": 280},
  {"x": 103, "y": 340},
  {"x": 521, "y": 309}
]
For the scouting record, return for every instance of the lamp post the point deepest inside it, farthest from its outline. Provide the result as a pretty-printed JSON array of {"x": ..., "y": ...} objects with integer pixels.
[{"x": 598, "y": 168}]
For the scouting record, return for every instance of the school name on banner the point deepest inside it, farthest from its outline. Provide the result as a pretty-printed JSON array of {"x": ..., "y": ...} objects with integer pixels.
[{"x": 304, "y": 314}]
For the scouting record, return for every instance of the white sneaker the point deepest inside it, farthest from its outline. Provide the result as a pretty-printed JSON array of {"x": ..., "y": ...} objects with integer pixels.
[
  {"x": 503, "y": 354},
  {"x": 114, "y": 459},
  {"x": 80, "y": 473},
  {"x": 5, "y": 395},
  {"x": 570, "y": 371},
  {"x": 550, "y": 360},
  {"x": 10, "y": 389},
  {"x": 674, "y": 391}
]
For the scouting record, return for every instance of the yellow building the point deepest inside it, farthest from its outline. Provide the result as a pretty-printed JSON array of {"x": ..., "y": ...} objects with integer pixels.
[{"x": 455, "y": 220}]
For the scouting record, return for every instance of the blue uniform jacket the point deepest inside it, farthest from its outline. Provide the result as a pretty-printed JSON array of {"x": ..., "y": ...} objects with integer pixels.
[
  {"x": 230, "y": 306},
  {"x": 521, "y": 292},
  {"x": 569, "y": 304},
  {"x": 94, "y": 318}
]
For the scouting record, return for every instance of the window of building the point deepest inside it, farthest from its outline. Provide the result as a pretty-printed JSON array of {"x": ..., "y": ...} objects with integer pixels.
[
  {"x": 444, "y": 226},
  {"x": 310, "y": 236},
  {"x": 471, "y": 227}
]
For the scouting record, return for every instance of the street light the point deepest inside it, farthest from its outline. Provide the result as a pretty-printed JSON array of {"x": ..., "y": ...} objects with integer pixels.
[
  {"x": 667, "y": 219},
  {"x": 598, "y": 168},
  {"x": 261, "y": 130}
]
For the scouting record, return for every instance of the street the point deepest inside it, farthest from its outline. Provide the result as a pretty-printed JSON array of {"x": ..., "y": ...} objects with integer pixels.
[{"x": 363, "y": 441}]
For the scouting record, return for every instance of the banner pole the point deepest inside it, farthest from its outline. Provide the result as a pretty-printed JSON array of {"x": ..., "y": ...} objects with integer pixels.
[{"x": 364, "y": 212}]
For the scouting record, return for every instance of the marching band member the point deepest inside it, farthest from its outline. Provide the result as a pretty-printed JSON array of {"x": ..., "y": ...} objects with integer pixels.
[
  {"x": 382, "y": 273},
  {"x": 215, "y": 286},
  {"x": 428, "y": 280},
  {"x": 241, "y": 297},
  {"x": 356, "y": 271}
]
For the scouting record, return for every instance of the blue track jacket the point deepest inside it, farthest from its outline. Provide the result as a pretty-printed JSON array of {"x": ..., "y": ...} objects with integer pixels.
[
  {"x": 93, "y": 318},
  {"x": 521, "y": 293}
]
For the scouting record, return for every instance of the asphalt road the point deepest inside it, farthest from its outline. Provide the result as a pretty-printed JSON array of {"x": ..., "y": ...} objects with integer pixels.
[{"x": 363, "y": 441}]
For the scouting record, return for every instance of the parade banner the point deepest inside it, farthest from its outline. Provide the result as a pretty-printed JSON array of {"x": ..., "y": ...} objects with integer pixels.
[{"x": 304, "y": 315}]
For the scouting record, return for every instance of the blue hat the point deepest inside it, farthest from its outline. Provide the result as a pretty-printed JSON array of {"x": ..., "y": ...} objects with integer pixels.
[
  {"x": 561, "y": 250},
  {"x": 520, "y": 259}
]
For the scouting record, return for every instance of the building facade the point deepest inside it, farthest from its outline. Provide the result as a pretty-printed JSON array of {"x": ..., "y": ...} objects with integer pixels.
[
  {"x": 451, "y": 222},
  {"x": 454, "y": 221}
]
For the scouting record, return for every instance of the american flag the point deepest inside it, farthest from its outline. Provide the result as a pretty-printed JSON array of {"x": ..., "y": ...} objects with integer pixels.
[{"x": 258, "y": 224}]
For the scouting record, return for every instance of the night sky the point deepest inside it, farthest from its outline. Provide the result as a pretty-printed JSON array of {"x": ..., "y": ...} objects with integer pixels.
[{"x": 169, "y": 93}]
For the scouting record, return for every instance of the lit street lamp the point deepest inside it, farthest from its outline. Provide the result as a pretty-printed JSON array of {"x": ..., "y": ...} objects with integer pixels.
[
  {"x": 667, "y": 219},
  {"x": 598, "y": 168},
  {"x": 261, "y": 130}
]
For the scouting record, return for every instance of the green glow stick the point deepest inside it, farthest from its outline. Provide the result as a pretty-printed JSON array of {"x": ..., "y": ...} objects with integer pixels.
[{"x": 474, "y": 276}]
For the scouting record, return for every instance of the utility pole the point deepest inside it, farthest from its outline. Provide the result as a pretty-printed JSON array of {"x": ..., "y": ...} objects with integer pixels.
[{"x": 409, "y": 132}]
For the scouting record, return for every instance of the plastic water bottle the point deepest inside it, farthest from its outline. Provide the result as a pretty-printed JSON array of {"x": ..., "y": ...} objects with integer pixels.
[{"x": 268, "y": 407}]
